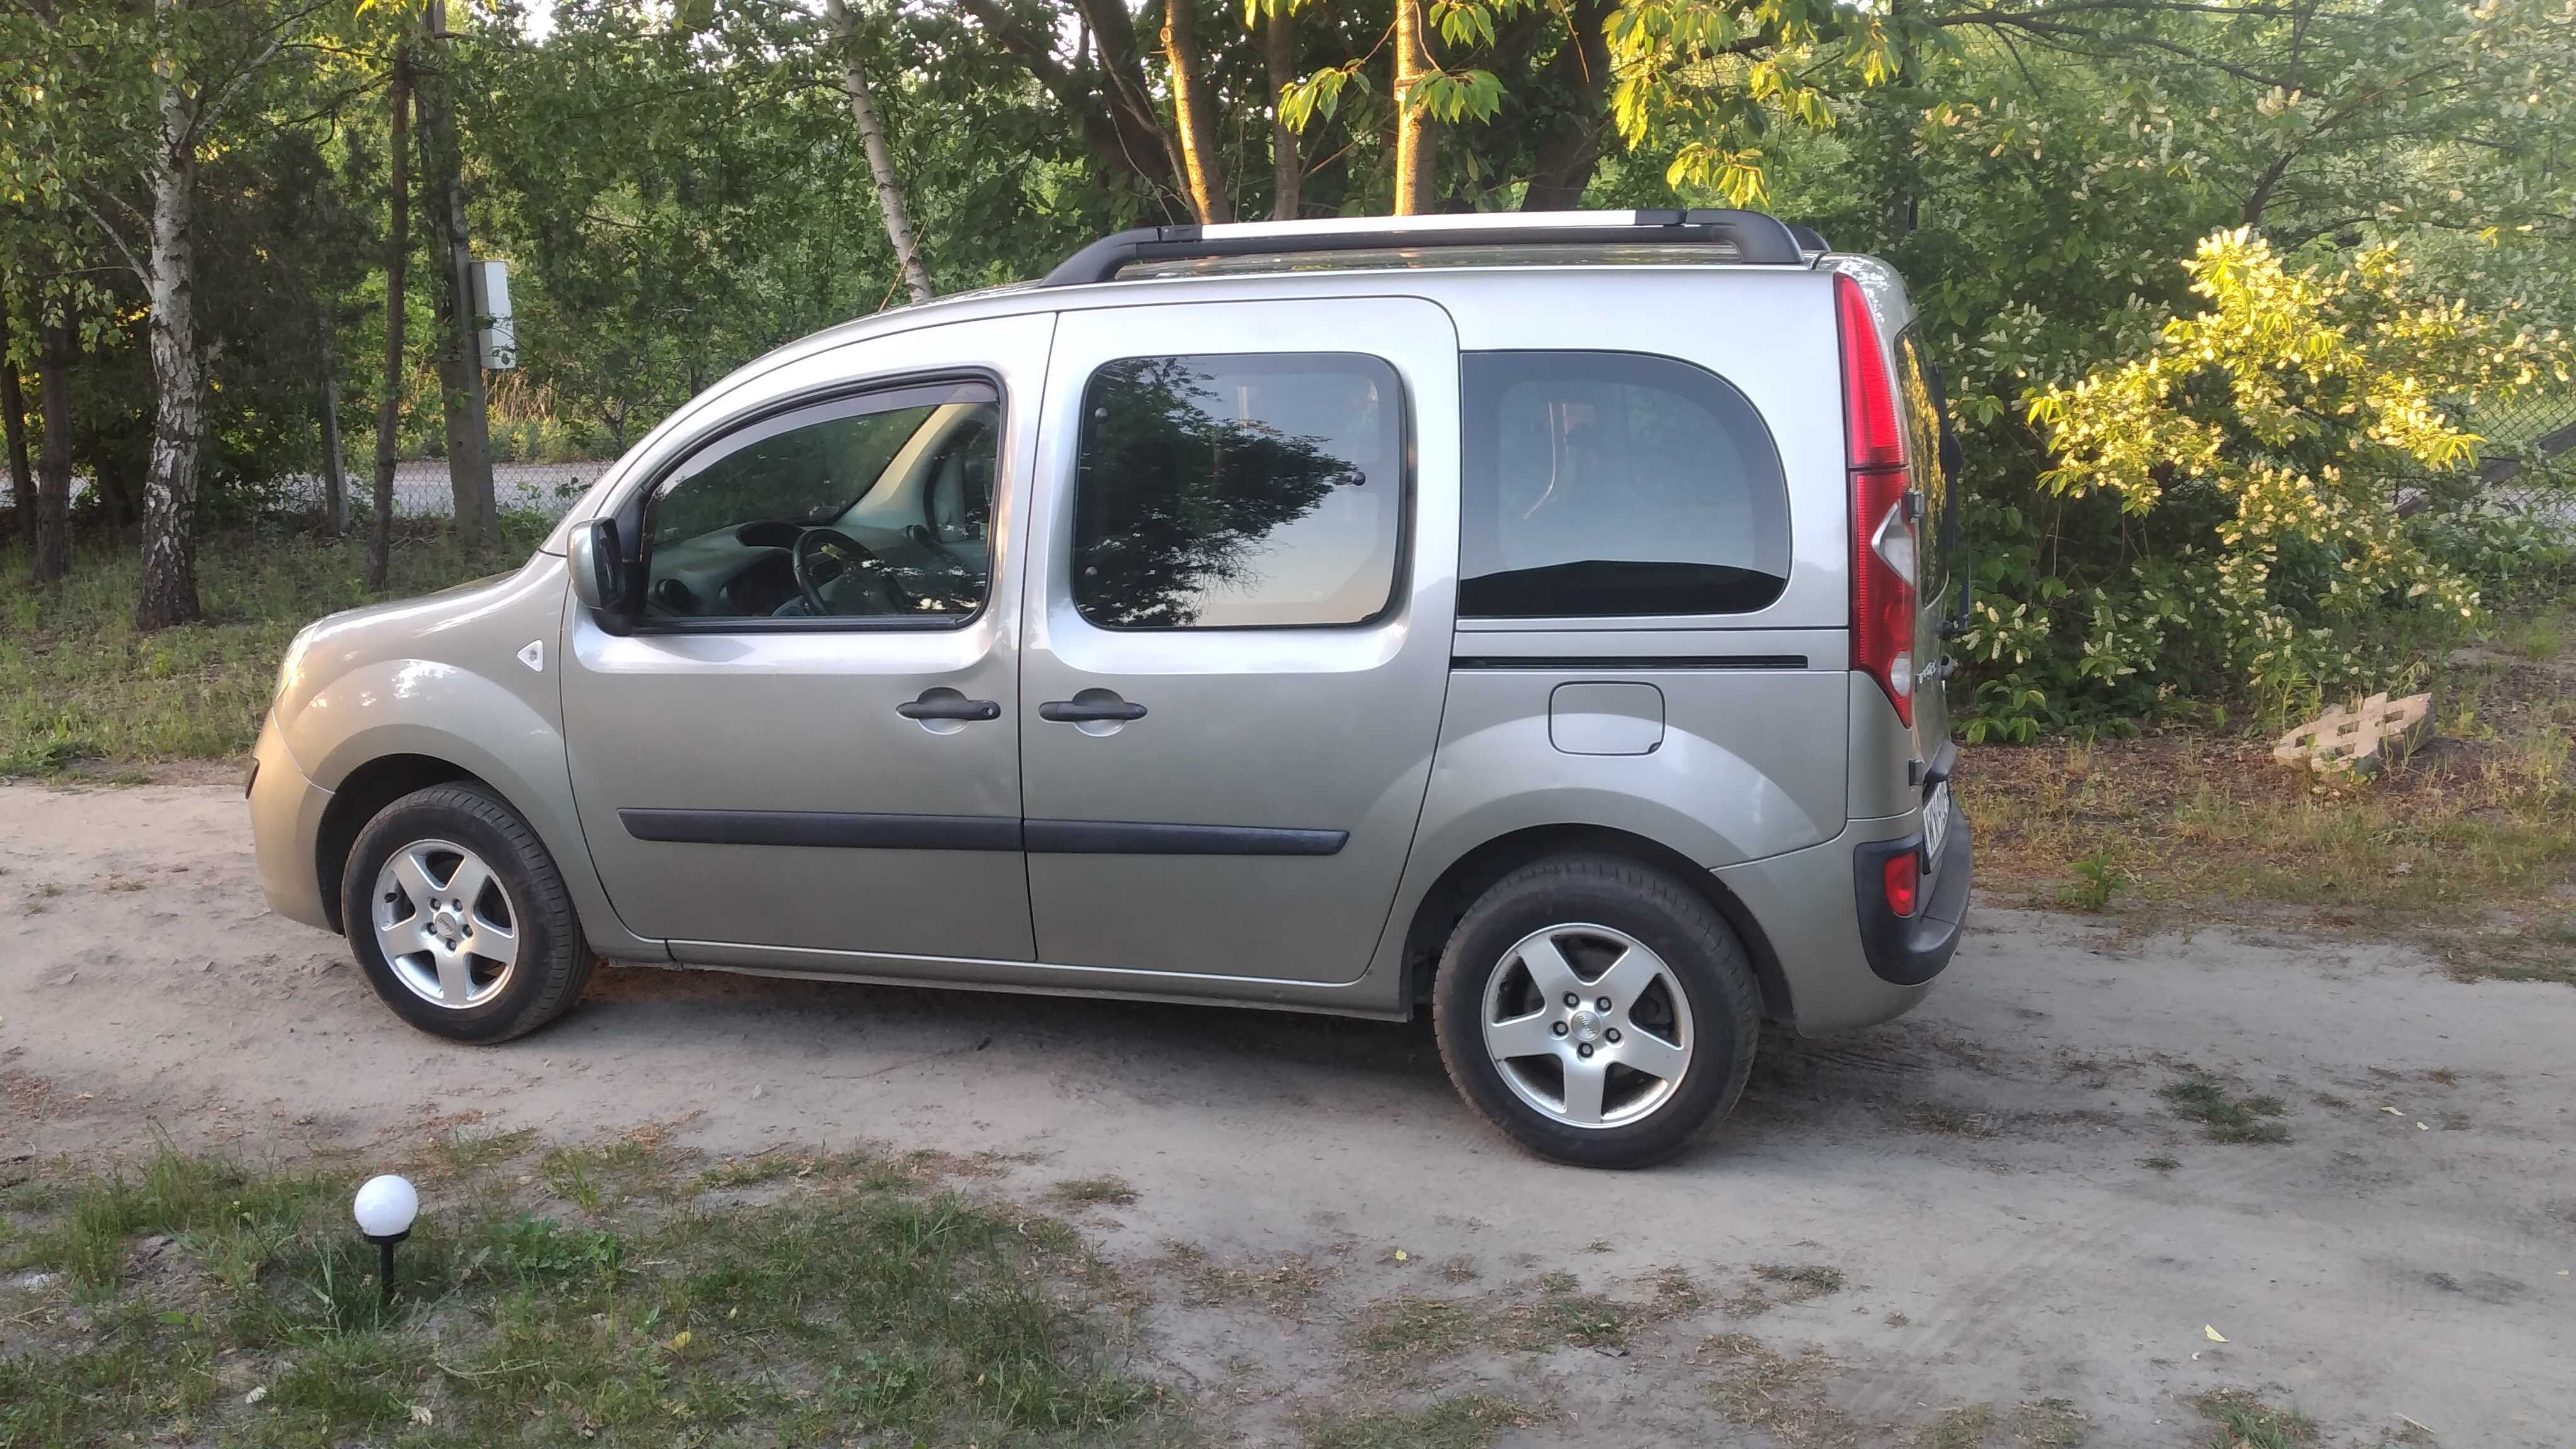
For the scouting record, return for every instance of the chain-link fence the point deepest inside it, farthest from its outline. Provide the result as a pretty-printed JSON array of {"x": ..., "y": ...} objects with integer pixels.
[
  {"x": 2529, "y": 453},
  {"x": 423, "y": 489}
]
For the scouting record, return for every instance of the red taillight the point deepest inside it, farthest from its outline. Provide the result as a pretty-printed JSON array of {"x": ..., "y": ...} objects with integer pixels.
[
  {"x": 1903, "y": 879},
  {"x": 1882, "y": 576}
]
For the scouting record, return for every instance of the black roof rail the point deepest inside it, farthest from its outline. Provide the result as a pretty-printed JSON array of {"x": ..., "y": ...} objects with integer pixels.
[
  {"x": 1758, "y": 239},
  {"x": 1809, "y": 239}
]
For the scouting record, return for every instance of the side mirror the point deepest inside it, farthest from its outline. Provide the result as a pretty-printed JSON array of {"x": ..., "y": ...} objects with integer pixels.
[{"x": 598, "y": 571}]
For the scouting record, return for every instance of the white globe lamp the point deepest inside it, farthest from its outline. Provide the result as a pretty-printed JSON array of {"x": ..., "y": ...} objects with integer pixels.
[{"x": 384, "y": 1208}]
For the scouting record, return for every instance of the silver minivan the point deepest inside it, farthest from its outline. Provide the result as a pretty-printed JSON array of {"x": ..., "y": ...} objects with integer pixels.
[{"x": 1537, "y": 618}]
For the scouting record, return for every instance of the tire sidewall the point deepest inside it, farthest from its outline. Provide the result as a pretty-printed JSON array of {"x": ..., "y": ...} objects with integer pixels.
[
  {"x": 1697, "y": 946},
  {"x": 446, "y": 813}
]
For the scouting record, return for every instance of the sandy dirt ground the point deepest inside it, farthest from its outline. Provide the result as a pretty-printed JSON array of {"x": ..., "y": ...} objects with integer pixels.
[{"x": 1984, "y": 1174}]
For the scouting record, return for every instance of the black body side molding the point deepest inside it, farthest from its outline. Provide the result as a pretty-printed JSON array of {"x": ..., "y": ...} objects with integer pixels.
[{"x": 836, "y": 830}]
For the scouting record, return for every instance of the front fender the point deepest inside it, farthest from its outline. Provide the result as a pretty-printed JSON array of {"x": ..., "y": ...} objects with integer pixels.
[{"x": 468, "y": 677}]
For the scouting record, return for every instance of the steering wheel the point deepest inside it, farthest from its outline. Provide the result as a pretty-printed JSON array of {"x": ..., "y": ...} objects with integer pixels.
[{"x": 823, "y": 557}]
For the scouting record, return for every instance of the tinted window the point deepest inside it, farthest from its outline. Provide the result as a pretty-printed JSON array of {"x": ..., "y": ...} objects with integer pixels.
[
  {"x": 868, "y": 507},
  {"x": 1609, "y": 483},
  {"x": 1222, "y": 492}
]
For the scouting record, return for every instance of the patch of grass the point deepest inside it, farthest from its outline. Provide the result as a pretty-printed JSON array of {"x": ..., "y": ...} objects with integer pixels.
[
  {"x": 600, "y": 1174},
  {"x": 861, "y": 1305},
  {"x": 1962, "y": 1428},
  {"x": 78, "y": 683},
  {"x": 461, "y": 1153},
  {"x": 2161, "y": 1162},
  {"x": 2096, "y": 881},
  {"x": 1562, "y": 1314},
  {"x": 1944, "y": 1120},
  {"x": 1113, "y": 1191},
  {"x": 2240, "y": 1420},
  {"x": 1411, "y": 1329},
  {"x": 222, "y": 1204},
  {"x": 1805, "y": 1280},
  {"x": 2224, "y": 1116},
  {"x": 1283, "y": 1288},
  {"x": 1469, "y": 1421},
  {"x": 2049, "y": 1424},
  {"x": 1758, "y": 1388},
  {"x": 2458, "y": 848}
]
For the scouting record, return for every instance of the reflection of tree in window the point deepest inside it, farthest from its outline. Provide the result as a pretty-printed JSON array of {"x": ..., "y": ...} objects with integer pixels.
[
  {"x": 1184, "y": 479},
  {"x": 806, "y": 475}
]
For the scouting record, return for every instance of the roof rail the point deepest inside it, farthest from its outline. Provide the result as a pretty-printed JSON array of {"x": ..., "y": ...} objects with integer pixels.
[
  {"x": 1758, "y": 239},
  {"x": 1809, "y": 239}
]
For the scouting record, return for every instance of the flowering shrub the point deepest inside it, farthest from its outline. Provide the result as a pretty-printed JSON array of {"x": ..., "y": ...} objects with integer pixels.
[{"x": 2256, "y": 452}]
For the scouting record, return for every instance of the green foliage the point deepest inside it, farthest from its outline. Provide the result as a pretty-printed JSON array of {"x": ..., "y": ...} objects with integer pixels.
[
  {"x": 2255, "y": 442},
  {"x": 2096, "y": 881}
]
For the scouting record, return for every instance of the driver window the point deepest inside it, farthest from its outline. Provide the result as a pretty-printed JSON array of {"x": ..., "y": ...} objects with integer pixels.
[{"x": 874, "y": 507}]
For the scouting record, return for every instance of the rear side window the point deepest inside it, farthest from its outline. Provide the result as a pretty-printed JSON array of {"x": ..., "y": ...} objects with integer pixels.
[
  {"x": 1600, "y": 484},
  {"x": 1238, "y": 491}
]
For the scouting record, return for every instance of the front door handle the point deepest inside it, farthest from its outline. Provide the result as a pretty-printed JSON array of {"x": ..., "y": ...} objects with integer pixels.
[
  {"x": 1084, "y": 711},
  {"x": 948, "y": 704}
]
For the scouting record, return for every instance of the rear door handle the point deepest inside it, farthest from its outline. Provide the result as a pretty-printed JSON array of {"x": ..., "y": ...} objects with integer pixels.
[
  {"x": 948, "y": 704},
  {"x": 1082, "y": 711}
]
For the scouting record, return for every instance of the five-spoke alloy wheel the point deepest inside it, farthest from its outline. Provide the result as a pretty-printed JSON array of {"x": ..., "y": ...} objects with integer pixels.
[
  {"x": 1596, "y": 1010},
  {"x": 445, "y": 925},
  {"x": 459, "y": 917}
]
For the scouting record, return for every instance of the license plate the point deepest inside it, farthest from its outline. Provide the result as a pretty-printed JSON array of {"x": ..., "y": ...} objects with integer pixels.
[{"x": 1936, "y": 825}]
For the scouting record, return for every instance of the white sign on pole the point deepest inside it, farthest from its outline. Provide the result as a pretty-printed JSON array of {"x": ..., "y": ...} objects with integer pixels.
[{"x": 498, "y": 338}]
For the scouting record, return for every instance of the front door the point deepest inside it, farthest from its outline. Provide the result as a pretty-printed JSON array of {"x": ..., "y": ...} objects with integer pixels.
[
  {"x": 809, "y": 741},
  {"x": 1244, "y": 559}
]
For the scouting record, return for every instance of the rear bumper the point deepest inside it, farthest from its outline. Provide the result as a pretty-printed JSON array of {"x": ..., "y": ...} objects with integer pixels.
[{"x": 1911, "y": 950}]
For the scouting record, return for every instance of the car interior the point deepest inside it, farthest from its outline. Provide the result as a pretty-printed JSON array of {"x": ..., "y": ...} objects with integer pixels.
[{"x": 769, "y": 528}]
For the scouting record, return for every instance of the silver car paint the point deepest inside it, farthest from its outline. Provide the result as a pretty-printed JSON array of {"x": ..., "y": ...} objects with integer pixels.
[
  {"x": 439, "y": 677},
  {"x": 1340, "y": 720},
  {"x": 435, "y": 676},
  {"x": 806, "y": 720}
]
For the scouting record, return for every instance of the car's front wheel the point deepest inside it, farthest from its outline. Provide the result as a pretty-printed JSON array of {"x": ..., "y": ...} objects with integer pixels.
[
  {"x": 459, "y": 918},
  {"x": 1596, "y": 1010}
]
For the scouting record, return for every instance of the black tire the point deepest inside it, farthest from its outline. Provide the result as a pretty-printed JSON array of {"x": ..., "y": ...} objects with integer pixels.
[
  {"x": 554, "y": 960},
  {"x": 1674, "y": 922}
]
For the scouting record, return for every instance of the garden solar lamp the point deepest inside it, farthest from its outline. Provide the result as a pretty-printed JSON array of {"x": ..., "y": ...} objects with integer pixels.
[{"x": 384, "y": 1208}]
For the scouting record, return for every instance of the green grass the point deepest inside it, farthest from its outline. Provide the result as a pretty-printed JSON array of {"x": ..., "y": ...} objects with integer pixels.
[
  {"x": 2239, "y": 1420},
  {"x": 1469, "y": 1421},
  {"x": 2223, "y": 1115},
  {"x": 78, "y": 683},
  {"x": 1109, "y": 1191},
  {"x": 202, "y": 1302},
  {"x": 2467, "y": 847}
]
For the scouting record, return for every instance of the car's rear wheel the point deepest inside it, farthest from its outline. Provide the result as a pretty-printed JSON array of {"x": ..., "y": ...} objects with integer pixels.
[
  {"x": 459, "y": 918},
  {"x": 1596, "y": 1010}
]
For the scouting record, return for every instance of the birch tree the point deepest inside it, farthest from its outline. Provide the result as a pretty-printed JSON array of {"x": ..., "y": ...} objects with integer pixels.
[
  {"x": 114, "y": 107},
  {"x": 863, "y": 114}
]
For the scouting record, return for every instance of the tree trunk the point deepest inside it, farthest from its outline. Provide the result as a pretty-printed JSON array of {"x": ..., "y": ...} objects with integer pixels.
[
  {"x": 1123, "y": 72},
  {"x": 169, "y": 592},
  {"x": 13, "y": 414},
  {"x": 397, "y": 256},
  {"x": 1287, "y": 167},
  {"x": 863, "y": 113},
  {"x": 1194, "y": 114},
  {"x": 52, "y": 518},
  {"x": 335, "y": 478},
  {"x": 1415, "y": 142},
  {"x": 460, "y": 360},
  {"x": 1571, "y": 152}
]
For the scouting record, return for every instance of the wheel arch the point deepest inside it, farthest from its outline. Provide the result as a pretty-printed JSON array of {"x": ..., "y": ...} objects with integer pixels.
[
  {"x": 1473, "y": 873},
  {"x": 363, "y": 795}
]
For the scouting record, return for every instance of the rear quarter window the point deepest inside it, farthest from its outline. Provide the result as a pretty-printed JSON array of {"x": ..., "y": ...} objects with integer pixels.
[{"x": 1603, "y": 484}]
